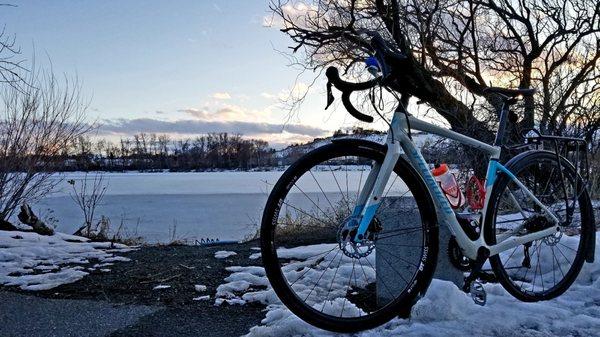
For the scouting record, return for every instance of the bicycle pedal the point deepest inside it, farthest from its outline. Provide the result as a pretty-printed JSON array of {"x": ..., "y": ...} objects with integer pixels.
[{"x": 478, "y": 293}]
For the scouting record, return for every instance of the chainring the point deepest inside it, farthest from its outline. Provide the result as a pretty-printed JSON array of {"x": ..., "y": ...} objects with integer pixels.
[{"x": 456, "y": 256}]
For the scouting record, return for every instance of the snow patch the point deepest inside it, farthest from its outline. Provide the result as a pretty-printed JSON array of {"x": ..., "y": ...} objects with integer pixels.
[
  {"x": 36, "y": 262},
  {"x": 223, "y": 254}
]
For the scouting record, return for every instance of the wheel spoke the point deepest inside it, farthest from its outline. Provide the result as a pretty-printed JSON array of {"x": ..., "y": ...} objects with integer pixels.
[
  {"x": 322, "y": 191},
  {"x": 332, "y": 277},
  {"x": 545, "y": 180}
]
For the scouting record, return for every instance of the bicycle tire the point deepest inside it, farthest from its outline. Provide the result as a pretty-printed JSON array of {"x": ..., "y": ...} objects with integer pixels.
[
  {"x": 518, "y": 167},
  {"x": 273, "y": 267}
]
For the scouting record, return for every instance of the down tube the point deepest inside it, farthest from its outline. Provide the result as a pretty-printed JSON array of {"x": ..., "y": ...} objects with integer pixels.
[{"x": 442, "y": 205}]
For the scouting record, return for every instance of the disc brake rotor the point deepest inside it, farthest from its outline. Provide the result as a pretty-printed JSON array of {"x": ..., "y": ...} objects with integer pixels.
[{"x": 363, "y": 248}]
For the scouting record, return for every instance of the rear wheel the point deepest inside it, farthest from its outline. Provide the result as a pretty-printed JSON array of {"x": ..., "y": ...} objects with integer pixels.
[
  {"x": 321, "y": 276},
  {"x": 545, "y": 268}
]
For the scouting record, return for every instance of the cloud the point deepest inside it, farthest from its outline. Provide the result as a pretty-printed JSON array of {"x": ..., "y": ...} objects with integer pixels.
[
  {"x": 298, "y": 12},
  {"x": 191, "y": 127},
  {"x": 298, "y": 91},
  {"x": 196, "y": 113},
  {"x": 268, "y": 95},
  {"x": 221, "y": 95},
  {"x": 227, "y": 112}
]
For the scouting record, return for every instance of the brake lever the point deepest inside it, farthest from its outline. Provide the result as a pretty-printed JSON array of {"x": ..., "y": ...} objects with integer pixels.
[{"x": 330, "y": 97}]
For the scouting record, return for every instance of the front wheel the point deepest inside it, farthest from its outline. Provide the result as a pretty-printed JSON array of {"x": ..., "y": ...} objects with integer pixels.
[
  {"x": 313, "y": 268},
  {"x": 545, "y": 268}
]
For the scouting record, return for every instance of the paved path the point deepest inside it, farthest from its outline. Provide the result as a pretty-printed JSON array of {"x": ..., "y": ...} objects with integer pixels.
[
  {"x": 25, "y": 315},
  {"x": 32, "y": 316}
]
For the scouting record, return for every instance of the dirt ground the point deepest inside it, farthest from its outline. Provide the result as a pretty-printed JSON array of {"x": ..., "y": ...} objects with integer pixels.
[{"x": 176, "y": 314}]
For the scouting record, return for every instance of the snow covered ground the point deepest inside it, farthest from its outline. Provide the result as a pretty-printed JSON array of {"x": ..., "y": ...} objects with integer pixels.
[
  {"x": 444, "y": 311},
  {"x": 36, "y": 262}
]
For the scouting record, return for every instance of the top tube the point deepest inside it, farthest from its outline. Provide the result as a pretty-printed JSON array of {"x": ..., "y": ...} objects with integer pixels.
[{"x": 417, "y": 124}]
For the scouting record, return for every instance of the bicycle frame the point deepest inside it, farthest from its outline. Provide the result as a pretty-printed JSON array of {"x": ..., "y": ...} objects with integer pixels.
[{"x": 398, "y": 141}]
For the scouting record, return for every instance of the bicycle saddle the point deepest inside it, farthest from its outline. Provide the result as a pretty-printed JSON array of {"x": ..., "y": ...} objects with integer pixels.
[{"x": 512, "y": 93}]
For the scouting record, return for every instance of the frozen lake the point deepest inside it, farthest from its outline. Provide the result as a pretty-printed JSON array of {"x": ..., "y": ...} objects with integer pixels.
[{"x": 224, "y": 205}]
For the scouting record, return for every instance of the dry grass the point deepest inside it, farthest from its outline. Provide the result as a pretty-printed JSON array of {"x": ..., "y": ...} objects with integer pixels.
[
  {"x": 308, "y": 226},
  {"x": 101, "y": 232}
]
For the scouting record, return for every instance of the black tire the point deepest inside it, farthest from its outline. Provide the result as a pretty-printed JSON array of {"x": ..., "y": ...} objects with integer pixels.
[
  {"x": 539, "y": 171},
  {"x": 273, "y": 264}
]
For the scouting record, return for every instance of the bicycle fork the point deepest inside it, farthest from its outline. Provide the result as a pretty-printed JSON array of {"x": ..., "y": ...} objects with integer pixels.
[{"x": 370, "y": 197}]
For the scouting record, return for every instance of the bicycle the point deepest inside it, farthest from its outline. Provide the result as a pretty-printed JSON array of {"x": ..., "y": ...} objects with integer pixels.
[{"x": 348, "y": 251}]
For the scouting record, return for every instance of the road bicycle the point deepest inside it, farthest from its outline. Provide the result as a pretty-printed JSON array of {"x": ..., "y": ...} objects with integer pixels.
[{"x": 349, "y": 233}]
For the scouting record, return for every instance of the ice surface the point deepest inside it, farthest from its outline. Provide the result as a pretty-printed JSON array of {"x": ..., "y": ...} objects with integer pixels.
[{"x": 223, "y": 205}]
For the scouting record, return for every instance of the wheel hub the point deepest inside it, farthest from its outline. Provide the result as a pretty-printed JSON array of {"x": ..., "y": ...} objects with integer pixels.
[
  {"x": 362, "y": 248},
  {"x": 552, "y": 240}
]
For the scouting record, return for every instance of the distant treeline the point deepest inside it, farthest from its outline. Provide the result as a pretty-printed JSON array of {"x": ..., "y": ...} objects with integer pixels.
[
  {"x": 150, "y": 152},
  {"x": 213, "y": 151},
  {"x": 153, "y": 152}
]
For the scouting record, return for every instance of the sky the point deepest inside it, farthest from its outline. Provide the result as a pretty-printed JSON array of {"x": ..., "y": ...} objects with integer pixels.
[{"x": 182, "y": 67}]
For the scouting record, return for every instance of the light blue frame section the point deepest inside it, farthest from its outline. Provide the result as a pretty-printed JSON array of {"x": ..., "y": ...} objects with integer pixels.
[
  {"x": 398, "y": 141},
  {"x": 492, "y": 173}
]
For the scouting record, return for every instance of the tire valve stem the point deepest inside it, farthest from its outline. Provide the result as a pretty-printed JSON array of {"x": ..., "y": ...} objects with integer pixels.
[{"x": 527, "y": 259}]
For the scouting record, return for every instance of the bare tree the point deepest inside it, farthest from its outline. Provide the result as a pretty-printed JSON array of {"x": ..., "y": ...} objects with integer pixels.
[
  {"x": 87, "y": 194},
  {"x": 458, "y": 48},
  {"x": 37, "y": 122},
  {"x": 11, "y": 65}
]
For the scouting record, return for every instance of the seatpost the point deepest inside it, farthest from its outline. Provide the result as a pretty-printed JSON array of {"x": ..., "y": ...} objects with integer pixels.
[{"x": 504, "y": 110}]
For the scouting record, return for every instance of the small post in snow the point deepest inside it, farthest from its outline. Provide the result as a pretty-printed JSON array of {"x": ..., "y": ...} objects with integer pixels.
[{"x": 396, "y": 255}]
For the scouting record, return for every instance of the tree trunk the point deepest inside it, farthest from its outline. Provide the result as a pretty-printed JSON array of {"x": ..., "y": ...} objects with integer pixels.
[
  {"x": 7, "y": 226},
  {"x": 27, "y": 217}
]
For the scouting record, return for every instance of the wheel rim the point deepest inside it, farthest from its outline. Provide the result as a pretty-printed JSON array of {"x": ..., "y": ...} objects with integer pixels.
[
  {"x": 542, "y": 269},
  {"x": 323, "y": 272}
]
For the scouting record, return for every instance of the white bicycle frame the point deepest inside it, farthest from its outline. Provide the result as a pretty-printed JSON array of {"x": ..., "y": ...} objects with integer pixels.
[{"x": 398, "y": 141}]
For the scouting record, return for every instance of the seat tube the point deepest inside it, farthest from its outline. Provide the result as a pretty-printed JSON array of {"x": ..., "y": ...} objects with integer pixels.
[{"x": 504, "y": 110}]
